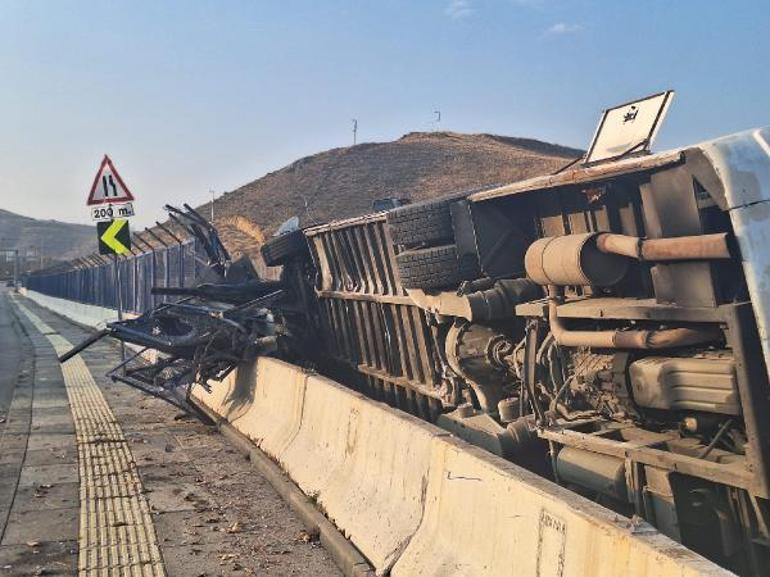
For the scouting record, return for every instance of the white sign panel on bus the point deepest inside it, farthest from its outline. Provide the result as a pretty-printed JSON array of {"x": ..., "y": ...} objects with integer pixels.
[{"x": 628, "y": 128}]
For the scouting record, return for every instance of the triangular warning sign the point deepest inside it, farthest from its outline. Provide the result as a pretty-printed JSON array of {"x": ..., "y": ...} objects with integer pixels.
[{"x": 108, "y": 186}]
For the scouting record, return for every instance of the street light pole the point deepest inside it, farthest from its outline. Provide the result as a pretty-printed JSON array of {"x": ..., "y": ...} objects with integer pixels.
[
  {"x": 15, "y": 268},
  {"x": 212, "y": 206}
]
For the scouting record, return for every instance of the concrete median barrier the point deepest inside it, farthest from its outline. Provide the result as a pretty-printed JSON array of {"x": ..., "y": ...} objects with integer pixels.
[
  {"x": 330, "y": 417},
  {"x": 365, "y": 464},
  {"x": 262, "y": 400},
  {"x": 274, "y": 411},
  {"x": 416, "y": 501},
  {"x": 485, "y": 517},
  {"x": 220, "y": 399}
]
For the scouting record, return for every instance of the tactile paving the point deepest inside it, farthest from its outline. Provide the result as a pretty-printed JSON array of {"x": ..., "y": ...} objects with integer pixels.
[{"x": 117, "y": 536}]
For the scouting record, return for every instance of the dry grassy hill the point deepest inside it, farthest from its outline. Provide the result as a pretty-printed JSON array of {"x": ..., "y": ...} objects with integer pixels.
[
  {"x": 338, "y": 183},
  {"x": 343, "y": 182}
]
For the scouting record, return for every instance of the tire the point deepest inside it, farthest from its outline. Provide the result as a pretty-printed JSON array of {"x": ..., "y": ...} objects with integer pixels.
[
  {"x": 425, "y": 223},
  {"x": 433, "y": 268},
  {"x": 280, "y": 249}
]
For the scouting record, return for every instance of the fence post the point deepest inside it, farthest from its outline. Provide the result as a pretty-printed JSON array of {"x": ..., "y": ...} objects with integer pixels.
[
  {"x": 103, "y": 266},
  {"x": 165, "y": 257},
  {"x": 147, "y": 282},
  {"x": 181, "y": 249},
  {"x": 181, "y": 256}
]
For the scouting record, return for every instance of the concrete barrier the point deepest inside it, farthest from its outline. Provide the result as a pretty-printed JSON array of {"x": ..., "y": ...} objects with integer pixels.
[
  {"x": 363, "y": 463},
  {"x": 416, "y": 501},
  {"x": 274, "y": 412},
  {"x": 485, "y": 517},
  {"x": 222, "y": 399},
  {"x": 87, "y": 315},
  {"x": 366, "y": 465},
  {"x": 261, "y": 400}
]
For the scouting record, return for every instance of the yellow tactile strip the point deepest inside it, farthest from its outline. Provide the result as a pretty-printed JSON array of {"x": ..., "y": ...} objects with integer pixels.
[{"x": 117, "y": 536}]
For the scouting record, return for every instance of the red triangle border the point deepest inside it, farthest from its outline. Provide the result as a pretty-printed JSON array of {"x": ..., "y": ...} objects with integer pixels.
[{"x": 107, "y": 162}]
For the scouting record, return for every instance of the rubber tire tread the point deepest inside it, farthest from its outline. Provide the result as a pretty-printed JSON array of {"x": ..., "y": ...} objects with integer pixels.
[
  {"x": 276, "y": 251},
  {"x": 424, "y": 223},
  {"x": 433, "y": 268}
]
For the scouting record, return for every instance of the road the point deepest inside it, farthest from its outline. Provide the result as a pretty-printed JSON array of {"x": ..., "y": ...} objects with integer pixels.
[
  {"x": 155, "y": 493},
  {"x": 10, "y": 359}
]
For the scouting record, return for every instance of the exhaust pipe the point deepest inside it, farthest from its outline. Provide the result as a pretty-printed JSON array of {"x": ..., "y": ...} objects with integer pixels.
[
  {"x": 601, "y": 259},
  {"x": 702, "y": 247}
]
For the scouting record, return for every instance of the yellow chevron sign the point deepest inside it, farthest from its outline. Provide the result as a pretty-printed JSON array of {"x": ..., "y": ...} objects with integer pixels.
[{"x": 114, "y": 237}]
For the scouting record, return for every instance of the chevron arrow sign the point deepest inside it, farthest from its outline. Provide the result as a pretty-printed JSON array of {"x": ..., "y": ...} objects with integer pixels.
[{"x": 114, "y": 237}]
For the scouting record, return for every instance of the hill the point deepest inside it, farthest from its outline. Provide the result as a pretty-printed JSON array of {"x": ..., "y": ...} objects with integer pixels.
[
  {"x": 344, "y": 182},
  {"x": 57, "y": 240}
]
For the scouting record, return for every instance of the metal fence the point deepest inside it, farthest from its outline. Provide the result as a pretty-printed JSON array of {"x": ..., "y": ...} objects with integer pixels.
[{"x": 173, "y": 266}]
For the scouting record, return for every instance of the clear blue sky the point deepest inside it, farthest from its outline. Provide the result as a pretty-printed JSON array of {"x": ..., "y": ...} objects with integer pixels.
[{"x": 191, "y": 95}]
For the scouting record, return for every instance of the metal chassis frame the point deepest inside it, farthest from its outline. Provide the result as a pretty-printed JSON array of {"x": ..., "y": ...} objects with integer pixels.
[{"x": 359, "y": 294}]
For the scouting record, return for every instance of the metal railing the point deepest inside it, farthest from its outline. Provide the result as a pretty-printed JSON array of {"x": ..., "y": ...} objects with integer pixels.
[{"x": 91, "y": 280}]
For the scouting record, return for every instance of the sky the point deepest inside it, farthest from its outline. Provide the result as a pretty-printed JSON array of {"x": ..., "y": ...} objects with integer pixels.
[{"x": 192, "y": 96}]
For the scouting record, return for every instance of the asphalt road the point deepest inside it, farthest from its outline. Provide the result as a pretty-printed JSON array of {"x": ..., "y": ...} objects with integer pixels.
[
  {"x": 212, "y": 513},
  {"x": 10, "y": 356}
]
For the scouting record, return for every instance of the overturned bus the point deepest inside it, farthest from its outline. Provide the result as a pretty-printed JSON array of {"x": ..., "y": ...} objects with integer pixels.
[{"x": 605, "y": 327}]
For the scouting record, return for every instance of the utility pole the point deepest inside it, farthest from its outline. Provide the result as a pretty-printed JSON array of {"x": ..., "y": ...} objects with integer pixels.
[
  {"x": 438, "y": 118},
  {"x": 355, "y": 131},
  {"x": 212, "y": 205}
]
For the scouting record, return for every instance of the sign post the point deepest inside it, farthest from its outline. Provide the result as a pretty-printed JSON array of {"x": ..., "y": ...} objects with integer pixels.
[{"x": 110, "y": 202}]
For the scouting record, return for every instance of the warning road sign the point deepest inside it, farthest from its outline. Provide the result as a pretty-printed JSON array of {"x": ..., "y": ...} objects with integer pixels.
[
  {"x": 108, "y": 186},
  {"x": 114, "y": 237}
]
